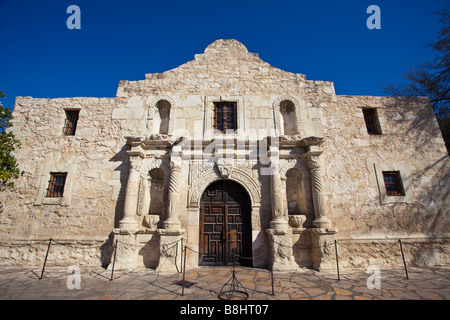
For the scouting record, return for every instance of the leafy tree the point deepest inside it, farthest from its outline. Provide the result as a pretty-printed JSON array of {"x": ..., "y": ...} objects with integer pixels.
[
  {"x": 9, "y": 169},
  {"x": 432, "y": 78}
]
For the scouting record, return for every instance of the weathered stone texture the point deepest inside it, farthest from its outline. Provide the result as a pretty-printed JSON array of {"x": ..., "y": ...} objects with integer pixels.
[
  {"x": 93, "y": 151},
  {"x": 411, "y": 141},
  {"x": 329, "y": 168}
]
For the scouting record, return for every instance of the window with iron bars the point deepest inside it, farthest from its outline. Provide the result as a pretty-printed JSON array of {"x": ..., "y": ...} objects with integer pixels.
[
  {"x": 70, "y": 125},
  {"x": 372, "y": 122},
  {"x": 393, "y": 183},
  {"x": 56, "y": 184},
  {"x": 225, "y": 116}
]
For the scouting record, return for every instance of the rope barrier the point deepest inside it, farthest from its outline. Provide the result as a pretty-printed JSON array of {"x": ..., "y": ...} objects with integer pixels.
[
  {"x": 381, "y": 251},
  {"x": 90, "y": 244}
]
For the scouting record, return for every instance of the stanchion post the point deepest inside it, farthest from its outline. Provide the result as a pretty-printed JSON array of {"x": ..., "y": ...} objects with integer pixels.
[
  {"x": 45, "y": 261},
  {"x": 337, "y": 258},
  {"x": 271, "y": 273},
  {"x": 114, "y": 261},
  {"x": 271, "y": 278},
  {"x": 184, "y": 271},
  {"x": 403, "y": 257}
]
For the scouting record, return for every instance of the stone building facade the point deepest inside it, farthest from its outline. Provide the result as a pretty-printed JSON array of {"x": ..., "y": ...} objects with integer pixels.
[{"x": 227, "y": 151}]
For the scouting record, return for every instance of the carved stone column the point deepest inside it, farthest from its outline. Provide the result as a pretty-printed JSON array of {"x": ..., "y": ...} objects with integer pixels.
[
  {"x": 279, "y": 221},
  {"x": 172, "y": 221},
  {"x": 125, "y": 235},
  {"x": 128, "y": 221},
  {"x": 321, "y": 220},
  {"x": 170, "y": 247},
  {"x": 280, "y": 235},
  {"x": 322, "y": 237}
]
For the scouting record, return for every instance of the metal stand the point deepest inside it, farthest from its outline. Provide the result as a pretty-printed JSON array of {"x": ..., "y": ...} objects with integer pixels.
[
  {"x": 184, "y": 283},
  {"x": 236, "y": 289},
  {"x": 114, "y": 261},
  {"x": 403, "y": 257},
  {"x": 45, "y": 261},
  {"x": 337, "y": 259}
]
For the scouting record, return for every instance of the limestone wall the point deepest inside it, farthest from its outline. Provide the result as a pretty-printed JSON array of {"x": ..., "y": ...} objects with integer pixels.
[
  {"x": 351, "y": 163},
  {"x": 411, "y": 143},
  {"x": 94, "y": 156}
]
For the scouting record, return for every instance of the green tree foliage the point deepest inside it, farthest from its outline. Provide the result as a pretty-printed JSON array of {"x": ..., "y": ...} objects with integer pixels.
[
  {"x": 432, "y": 78},
  {"x": 9, "y": 169}
]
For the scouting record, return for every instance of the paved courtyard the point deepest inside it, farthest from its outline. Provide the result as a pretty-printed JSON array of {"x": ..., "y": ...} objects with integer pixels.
[{"x": 207, "y": 283}]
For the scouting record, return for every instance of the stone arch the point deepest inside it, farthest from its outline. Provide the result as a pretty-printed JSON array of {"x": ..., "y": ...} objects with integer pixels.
[
  {"x": 286, "y": 110},
  {"x": 149, "y": 164},
  {"x": 153, "y": 100},
  {"x": 293, "y": 163},
  {"x": 248, "y": 183},
  {"x": 297, "y": 188},
  {"x": 161, "y": 107},
  {"x": 144, "y": 199}
]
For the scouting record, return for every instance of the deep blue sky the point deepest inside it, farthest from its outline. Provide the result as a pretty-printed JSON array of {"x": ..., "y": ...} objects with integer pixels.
[{"x": 124, "y": 40}]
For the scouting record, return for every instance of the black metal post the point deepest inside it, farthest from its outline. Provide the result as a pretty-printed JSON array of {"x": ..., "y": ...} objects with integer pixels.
[
  {"x": 184, "y": 271},
  {"x": 45, "y": 261},
  {"x": 271, "y": 268},
  {"x": 403, "y": 257},
  {"x": 337, "y": 258},
  {"x": 271, "y": 277},
  {"x": 114, "y": 261}
]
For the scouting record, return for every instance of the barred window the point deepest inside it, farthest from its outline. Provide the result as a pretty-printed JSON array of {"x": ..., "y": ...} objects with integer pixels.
[
  {"x": 70, "y": 125},
  {"x": 56, "y": 184},
  {"x": 372, "y": 122},
  {"x": 393, "y": 183},
  {"x": 225, "y": 116}
]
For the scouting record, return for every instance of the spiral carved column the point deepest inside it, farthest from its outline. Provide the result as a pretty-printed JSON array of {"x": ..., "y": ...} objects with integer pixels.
[
  {"x": 321, "y": 220},
  {"x": 172, "y": 221},
  {"x": 280, "y": 235},
  {"x": 170, "y": 237}
]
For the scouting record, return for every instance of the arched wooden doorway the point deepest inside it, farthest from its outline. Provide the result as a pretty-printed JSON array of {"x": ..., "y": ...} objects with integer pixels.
[{"x": 225, "y": 206}]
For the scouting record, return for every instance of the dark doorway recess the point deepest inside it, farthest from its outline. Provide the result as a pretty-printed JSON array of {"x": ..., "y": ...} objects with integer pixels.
[{"x": 225, "y": 206}]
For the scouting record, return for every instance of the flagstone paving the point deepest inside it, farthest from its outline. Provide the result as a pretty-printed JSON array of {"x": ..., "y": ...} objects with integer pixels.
[{"x": 205, "y": 283}]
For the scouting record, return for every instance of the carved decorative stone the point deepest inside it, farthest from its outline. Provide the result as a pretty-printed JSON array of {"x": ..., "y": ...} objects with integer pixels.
[
  {"x": 297, "y": 221},
  {"x": 150, "y": 221},
  {"x": 170, "y": 250},
  {"x": 207, "y": 174},
  {"x": 225, "y": 166},
  {"x": 132, "y": 194},
  {"x": 281, "y": 256}
]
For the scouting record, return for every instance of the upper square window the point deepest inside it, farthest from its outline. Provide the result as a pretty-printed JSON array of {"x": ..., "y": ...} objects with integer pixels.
[
  {"x": 372, "y": 122},
  {"x": 225, "y": 116},
  {"x": 70, "y": 125},
  {"x": 56, "y": 185},
  {"x": 393, "y": 183}
]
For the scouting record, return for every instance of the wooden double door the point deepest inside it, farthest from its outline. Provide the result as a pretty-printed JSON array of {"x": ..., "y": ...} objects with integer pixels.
[{"x": 225, "y": 206}]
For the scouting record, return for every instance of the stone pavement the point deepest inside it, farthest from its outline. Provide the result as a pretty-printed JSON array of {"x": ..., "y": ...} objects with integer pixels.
[{"x": 205, "y": 283}]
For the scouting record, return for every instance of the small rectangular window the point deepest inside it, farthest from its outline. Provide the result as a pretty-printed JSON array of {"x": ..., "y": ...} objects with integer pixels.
[
  {"x": 372, "y": 122},
  {"x": 225, "y": 116},
  {"x": 56, "y": 184},
  {"x": 70, "y": 125},
  {"x": 393, "y": 183}
]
